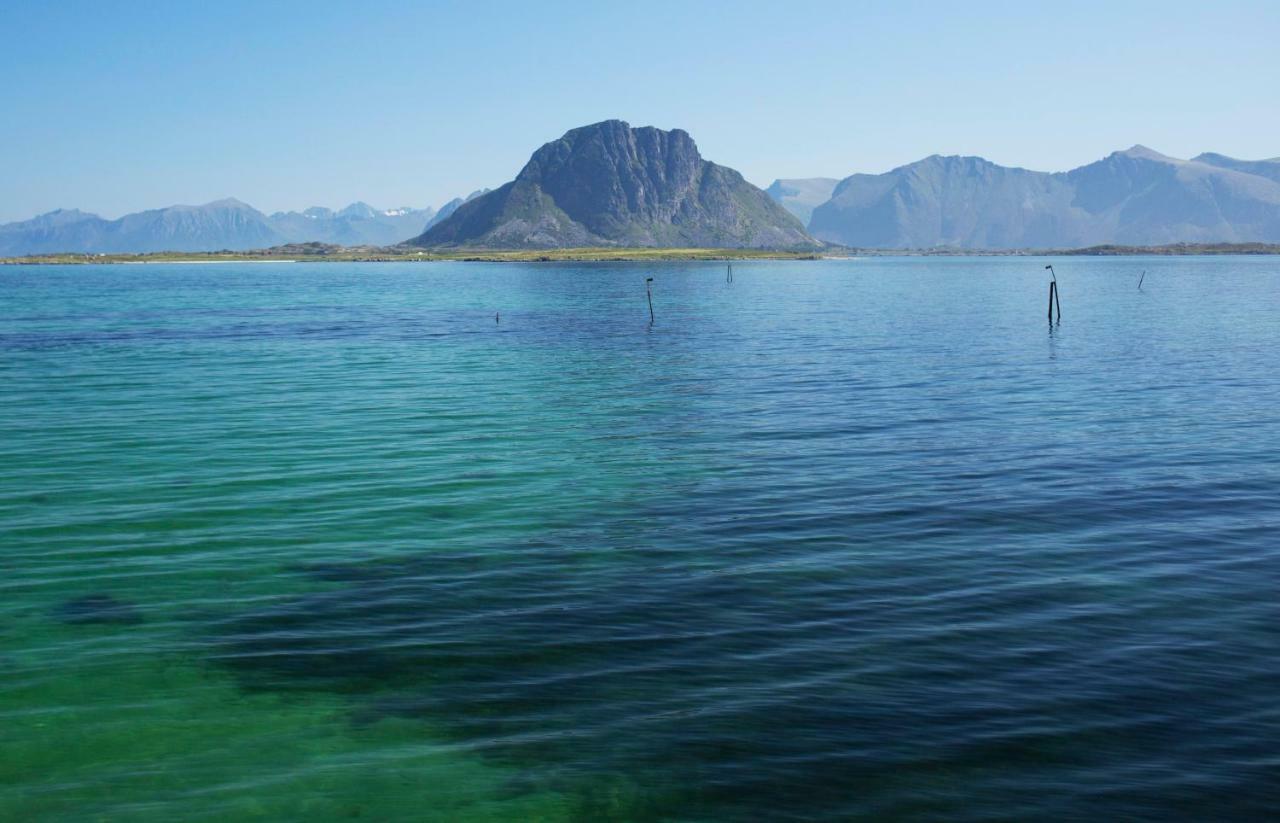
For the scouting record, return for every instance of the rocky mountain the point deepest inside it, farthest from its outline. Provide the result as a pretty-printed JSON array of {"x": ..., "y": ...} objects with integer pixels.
[
  {"x": 223, "y": 224},
  {"x": 69, "y": 229},
  {"x": 1134, "y": 197},
  {"x": 802, "y": 196},
  {"x": 608, "y": 184}
]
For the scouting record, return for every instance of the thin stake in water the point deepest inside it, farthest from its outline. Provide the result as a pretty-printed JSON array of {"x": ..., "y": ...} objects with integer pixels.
[
  {"x": 1053, "y": 295},
  {"x": 649, "y": 292},
  {"x": 1140, "y": 279},
  {"x": 728, "y": 275}
]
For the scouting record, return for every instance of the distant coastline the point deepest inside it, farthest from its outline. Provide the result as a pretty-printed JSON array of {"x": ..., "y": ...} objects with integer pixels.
[
  {"x": 324, "y": 253},
  {"x": 1167, "y": 250}
]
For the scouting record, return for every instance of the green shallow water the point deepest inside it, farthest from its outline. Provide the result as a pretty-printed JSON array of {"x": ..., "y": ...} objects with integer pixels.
[
  {"x": 841, "y": 539},
  {"x": 190, "y": 458}
]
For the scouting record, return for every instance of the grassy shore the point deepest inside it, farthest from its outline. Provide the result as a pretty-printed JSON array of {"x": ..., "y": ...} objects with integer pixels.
[
  {"x": 320, "y": 252},
  {"x": 317, "y": 253}
]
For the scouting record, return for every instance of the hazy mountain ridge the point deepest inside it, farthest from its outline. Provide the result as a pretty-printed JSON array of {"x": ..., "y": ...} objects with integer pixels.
[
  {"x": 801, "y": 196},
  {"x": 223, "y": 224},
  {"x": 1269, "y": 169},
  {"x": 1133, "y": 197},
  {"x": 359, "y": 224},
  {"x": 608, "y": 184}
]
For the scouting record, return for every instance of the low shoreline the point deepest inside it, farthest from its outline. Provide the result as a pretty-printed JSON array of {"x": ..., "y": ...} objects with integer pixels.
[
  {"x": 319, "y": 253},
  {"x": 364, "y": 255},
  {"x": 198, "y": 262}
]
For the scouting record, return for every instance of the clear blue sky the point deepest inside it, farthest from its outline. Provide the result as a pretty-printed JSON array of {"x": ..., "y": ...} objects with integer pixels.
[{"x": 118, "y": 106}]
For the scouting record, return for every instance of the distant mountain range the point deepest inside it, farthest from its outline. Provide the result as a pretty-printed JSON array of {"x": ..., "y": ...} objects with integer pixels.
[
  {"x": 608, "y": 184},
  {"x": 1136, "y": 197},
  {"x": 223, "y": 224}
]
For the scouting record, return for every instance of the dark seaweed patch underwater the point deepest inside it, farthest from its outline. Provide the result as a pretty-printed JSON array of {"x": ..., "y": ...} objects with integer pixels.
[
  {"x": 98, "y": 608},
  {"x": 786, "y": 692}
]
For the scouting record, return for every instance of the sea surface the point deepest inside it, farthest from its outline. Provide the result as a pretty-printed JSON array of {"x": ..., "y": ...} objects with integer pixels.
[{"x": 841, "y": 539}]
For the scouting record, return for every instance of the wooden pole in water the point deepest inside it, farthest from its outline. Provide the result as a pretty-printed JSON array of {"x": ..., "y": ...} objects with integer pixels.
[
  {"x": 1140, "y": 279},
  {"x": 648, "y": 291},
  {"x": 1053, "y": 295}
]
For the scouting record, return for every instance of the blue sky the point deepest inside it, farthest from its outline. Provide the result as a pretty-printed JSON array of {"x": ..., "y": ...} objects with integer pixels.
[{"x": 118, "y": 106}]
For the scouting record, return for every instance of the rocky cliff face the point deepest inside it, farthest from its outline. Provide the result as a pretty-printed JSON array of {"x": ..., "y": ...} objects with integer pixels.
[{"x": 611, "y": 185}]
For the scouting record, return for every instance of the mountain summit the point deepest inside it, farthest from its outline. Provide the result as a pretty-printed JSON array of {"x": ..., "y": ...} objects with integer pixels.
[{"x": 608, "y": 184}]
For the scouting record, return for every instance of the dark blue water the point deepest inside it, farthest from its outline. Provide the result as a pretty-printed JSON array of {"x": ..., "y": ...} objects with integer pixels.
[{"x": 843, "y": 539}]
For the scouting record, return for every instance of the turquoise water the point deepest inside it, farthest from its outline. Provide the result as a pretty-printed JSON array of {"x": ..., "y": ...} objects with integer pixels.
[{"x": 858, "y": 538}]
